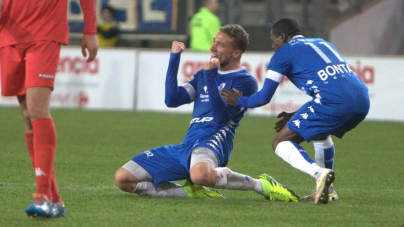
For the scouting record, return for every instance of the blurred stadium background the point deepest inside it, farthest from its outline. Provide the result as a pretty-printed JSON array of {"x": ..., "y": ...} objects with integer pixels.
[
  {"x": 370, "y": 26},
  {"x": 369, "y": 33}
]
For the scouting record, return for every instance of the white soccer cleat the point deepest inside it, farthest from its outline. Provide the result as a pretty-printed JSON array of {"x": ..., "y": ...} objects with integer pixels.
[
  {"x": 322, "y": 185},
  {"x": 332, "y": 197}
]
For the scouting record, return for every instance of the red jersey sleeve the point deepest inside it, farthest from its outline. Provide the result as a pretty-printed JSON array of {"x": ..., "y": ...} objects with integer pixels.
[{"x": 90, "y": 26}]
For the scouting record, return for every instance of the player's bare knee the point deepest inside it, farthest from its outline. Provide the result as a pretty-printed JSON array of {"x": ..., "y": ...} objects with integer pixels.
[
  {"x": 121, "y": 178},
  {"x": 203, "y": 178}
]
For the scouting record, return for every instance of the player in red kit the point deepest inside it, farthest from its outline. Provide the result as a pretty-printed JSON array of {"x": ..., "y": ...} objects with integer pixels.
[{"x": 32, "y": 33}]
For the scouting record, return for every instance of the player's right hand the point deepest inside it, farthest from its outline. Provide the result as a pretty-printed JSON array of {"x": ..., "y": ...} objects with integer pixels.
[
  {"x": 177, "y": 47},
  {"x": 211, "y": 63},
  {"x": 230, "y": 97},
  {"x": 89, "y": 46}
]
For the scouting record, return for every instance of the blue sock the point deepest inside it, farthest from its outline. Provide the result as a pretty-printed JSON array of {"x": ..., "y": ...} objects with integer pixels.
[
  {"x": 329, "y": 158},
  {"x": 303, "y": 153}
]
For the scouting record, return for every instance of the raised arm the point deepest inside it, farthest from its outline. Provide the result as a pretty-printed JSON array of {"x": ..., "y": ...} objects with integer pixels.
[{"x": 175, "y": 95}]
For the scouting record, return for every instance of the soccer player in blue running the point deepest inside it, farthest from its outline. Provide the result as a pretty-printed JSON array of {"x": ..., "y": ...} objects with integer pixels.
[
  {"x": 202, "y": 156},
  {"x": 340, "y": 101}
]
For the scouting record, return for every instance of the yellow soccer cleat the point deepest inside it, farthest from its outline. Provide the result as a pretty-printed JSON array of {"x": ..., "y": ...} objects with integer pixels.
[
  {"x": 197, "y": 191},
  {"x": 274, "y": 191}
]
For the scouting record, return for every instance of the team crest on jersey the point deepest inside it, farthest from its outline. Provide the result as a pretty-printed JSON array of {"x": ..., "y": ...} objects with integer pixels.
[{"x": 221, "y": 86}]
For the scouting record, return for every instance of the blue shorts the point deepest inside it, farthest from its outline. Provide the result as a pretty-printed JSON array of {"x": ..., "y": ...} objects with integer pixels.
[
  {"x": 171, "y": 162},
  {"x": 314, "y": 121}
]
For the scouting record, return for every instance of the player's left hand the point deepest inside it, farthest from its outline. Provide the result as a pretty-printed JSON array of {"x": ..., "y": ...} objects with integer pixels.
[
  {"x": 230, "y": 97},
  {"x": 89, "y": 44},
  {"x": 285, "y": 117}
]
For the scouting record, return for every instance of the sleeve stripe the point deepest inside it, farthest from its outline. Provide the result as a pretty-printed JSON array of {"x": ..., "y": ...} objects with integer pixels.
[
  {"x": 275, "y": 76},
  {"x": 190, "y": 89}
]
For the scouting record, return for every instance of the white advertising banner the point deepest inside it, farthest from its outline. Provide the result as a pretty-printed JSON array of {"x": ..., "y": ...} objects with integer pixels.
[
  {"x": 108, "y": 82},
  {"x": 135, "y": 80},
  {"x": 384, "y": 78},
  {"x": 382, "y": 75}
]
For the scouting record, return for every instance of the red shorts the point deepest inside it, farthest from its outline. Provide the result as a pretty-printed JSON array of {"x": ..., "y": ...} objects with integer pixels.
[{"x": 28, "y": 65}]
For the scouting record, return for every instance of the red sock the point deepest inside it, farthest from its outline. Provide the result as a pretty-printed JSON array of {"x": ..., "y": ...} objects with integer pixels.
[
  {"x": 54, "y": 187},
  {"x": 55, "y": 190},
  {"x": 30, "y": 146},
  {"x": 44, "y": 141}
]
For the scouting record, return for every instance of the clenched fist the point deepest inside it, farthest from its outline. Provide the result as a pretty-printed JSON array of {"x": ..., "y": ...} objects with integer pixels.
[{"x": 177, "y": 47}]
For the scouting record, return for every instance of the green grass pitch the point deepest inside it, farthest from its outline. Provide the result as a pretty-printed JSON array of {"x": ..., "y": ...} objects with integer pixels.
[{"x": 93, "y": 144}]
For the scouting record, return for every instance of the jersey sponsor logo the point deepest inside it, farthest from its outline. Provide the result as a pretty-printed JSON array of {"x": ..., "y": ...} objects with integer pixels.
[
  {"x": 201, "y": 120},
  {"x": 46, "y": 76},
  {"x": 333, "y": 70},
  {"x": 204, "y": 97}
]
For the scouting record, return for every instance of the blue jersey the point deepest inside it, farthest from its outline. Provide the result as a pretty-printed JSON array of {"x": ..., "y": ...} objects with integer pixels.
[
  {"x": 206, "y": 121},
  {"x": 316, "y": 67},
  {"x": 213, "y": 124},
  {"x": 340, "y": 100}
]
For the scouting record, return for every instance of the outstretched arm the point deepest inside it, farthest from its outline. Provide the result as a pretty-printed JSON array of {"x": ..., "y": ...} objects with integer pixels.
[
  {"x": 262, "y": 97},
  {"x": 174, "y": 95}
]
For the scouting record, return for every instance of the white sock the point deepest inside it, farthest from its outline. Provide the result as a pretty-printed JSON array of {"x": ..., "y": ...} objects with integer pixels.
[
  {"x": 291, "y": 154},
  {"x": 324, "y": 153},
  {"x": 167, "y": 189},
  {"x": 226, "y": 178}
]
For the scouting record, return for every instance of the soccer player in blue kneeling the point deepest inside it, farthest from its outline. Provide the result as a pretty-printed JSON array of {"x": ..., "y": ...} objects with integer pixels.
[
  {"x": 340, "y": 101},
  {"x": 202, "y": 156}
]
